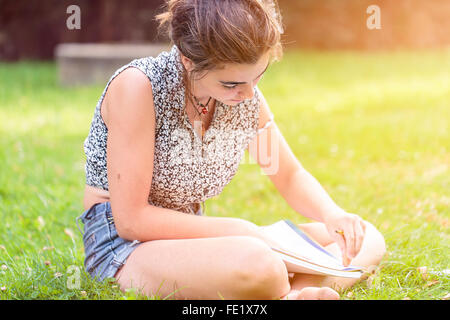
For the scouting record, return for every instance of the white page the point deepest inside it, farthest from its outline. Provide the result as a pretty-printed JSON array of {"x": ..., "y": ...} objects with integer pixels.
[
  {"x": 290, "y": 241},
  {"x": 297, "y": 266}
]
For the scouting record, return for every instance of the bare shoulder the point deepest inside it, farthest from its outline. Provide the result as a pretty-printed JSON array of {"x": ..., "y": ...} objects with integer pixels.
[
  {"x": 131, "y": 77},
  {"x": 129, "y": 93}
]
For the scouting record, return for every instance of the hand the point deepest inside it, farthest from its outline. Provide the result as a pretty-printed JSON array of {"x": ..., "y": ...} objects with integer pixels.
[{"x": 347, "y": 230}]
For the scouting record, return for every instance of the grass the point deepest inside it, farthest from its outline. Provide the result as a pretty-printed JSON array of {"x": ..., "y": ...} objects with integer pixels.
[{"x": 373, "y": 128}]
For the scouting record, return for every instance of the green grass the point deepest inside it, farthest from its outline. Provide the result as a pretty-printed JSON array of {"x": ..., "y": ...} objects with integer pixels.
[{"x": 373, "y": 128}]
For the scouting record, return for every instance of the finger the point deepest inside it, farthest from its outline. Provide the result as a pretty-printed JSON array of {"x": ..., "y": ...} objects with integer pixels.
[
  {"x": 340, "y": 240},
  {"x": 359, "y": 236},
  {"x": 349, "y": 235},
  {"x": 363, "y": 225},
  {"x": 346, "y": 261}
]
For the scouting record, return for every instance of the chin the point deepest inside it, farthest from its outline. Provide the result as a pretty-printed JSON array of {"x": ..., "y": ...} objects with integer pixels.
[
  {"x": 229, "y": 102},
  {"x": 235, "y": 103}
]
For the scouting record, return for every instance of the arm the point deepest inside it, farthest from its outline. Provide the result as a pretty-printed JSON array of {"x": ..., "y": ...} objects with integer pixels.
[
  {"x": 297, "y": 186},
  {"x": 130, "y": 152},
  {"x": 300, "y": 189},
  {"x": 307, "y": 196}
]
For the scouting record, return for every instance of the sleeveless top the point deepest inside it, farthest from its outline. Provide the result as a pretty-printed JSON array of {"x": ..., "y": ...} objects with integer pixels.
[{"x": 186, "y": 170}]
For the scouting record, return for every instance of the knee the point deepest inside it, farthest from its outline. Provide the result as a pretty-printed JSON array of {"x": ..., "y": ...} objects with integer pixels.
[
  {"x": 375, "y": 243},
  {"x": 261, "y": 274}
]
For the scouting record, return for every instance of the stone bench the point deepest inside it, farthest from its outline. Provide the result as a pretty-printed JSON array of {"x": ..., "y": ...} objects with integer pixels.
[{"x": 95, "y": 63}]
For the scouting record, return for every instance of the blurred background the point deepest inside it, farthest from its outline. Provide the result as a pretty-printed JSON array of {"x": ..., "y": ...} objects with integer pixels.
[
  {"x": 38, "y": 30},
  {"x": 32, "y": 29},
  {"x": 363, "y": 100}
]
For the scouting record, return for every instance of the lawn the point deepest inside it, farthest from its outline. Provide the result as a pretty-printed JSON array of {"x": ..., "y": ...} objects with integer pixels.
[{"x": 373, "y": 128}]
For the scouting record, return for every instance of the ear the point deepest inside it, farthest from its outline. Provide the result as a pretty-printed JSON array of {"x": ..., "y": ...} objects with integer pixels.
[{"x": 188, "y": 64}]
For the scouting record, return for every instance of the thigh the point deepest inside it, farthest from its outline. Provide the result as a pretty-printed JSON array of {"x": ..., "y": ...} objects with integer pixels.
[{"x": 204, "y": 268}]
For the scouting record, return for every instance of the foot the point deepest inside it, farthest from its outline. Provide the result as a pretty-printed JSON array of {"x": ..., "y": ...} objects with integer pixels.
[{"x": 312, "y": 293}]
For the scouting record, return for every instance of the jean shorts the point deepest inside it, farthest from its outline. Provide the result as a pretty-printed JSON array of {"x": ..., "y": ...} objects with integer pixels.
[{"x": 105, "y": 252}]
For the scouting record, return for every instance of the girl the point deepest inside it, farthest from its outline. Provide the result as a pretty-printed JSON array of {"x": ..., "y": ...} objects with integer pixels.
[{"x": 168, "y": 133}]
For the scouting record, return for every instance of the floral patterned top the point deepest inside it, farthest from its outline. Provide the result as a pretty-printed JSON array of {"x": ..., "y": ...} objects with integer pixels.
[{"x": 187, "y": 170}]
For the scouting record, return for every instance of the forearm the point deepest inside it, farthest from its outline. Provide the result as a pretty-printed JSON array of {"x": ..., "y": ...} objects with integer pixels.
[
  {"x": 307, "y": 196},
  {"x": 155, "y": 223}
]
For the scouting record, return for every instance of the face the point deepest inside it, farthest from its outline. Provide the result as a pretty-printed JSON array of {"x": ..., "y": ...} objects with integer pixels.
[{"x": 230, "y": 85}]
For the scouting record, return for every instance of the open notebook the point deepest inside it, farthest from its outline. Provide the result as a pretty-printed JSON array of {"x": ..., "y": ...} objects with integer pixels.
[{"x": 302, "y": 254}]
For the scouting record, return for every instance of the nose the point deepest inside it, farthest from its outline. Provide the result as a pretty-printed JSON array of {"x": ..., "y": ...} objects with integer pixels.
[{"x": 247, "y": 92}]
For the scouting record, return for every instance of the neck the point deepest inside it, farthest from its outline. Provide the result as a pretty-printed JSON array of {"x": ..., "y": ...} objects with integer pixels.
[
  {"x": 203, "y": 100},
  {"x": 199, "y": 93}
]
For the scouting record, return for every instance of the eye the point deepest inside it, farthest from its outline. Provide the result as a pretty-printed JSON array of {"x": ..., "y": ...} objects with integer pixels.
[{"x": 229, "y": 87}]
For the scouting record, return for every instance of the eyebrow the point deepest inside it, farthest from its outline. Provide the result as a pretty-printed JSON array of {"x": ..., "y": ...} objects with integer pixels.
[{"x": 236, "y": 82}]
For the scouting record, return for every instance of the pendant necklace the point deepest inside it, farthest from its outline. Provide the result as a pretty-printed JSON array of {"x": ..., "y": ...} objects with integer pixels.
[
  {"x": 204, "y": 106},
  {"x": 204, "y": 110}
]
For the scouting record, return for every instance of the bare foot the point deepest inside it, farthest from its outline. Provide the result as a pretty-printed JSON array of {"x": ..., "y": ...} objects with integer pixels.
[{"x": 312, "y": 293}]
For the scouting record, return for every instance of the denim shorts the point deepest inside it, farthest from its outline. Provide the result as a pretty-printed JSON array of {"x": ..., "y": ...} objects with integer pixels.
[{"x": 105, "y": 252}]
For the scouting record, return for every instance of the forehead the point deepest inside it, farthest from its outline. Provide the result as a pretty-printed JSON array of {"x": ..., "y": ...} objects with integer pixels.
[{"x": 242, "y": 72}]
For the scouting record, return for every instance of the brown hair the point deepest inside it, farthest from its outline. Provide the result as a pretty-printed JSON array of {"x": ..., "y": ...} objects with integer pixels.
[{"x": 212, "y": 33}]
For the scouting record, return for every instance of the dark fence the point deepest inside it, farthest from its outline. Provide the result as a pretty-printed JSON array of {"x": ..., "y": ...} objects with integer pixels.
[{"x": 32, "y": 28}]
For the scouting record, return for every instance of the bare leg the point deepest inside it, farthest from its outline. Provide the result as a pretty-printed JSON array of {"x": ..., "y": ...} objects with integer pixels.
[
  {"x": 371, "y": 253},
  {"x": 230, "y": 268},
  {"x": 235, "y": 267}
]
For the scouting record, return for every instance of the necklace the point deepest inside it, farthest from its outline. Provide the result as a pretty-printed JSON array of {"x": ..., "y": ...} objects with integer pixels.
[
  {"x": 203, "y": 111},
  {"x": 205, "y": 108}
]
